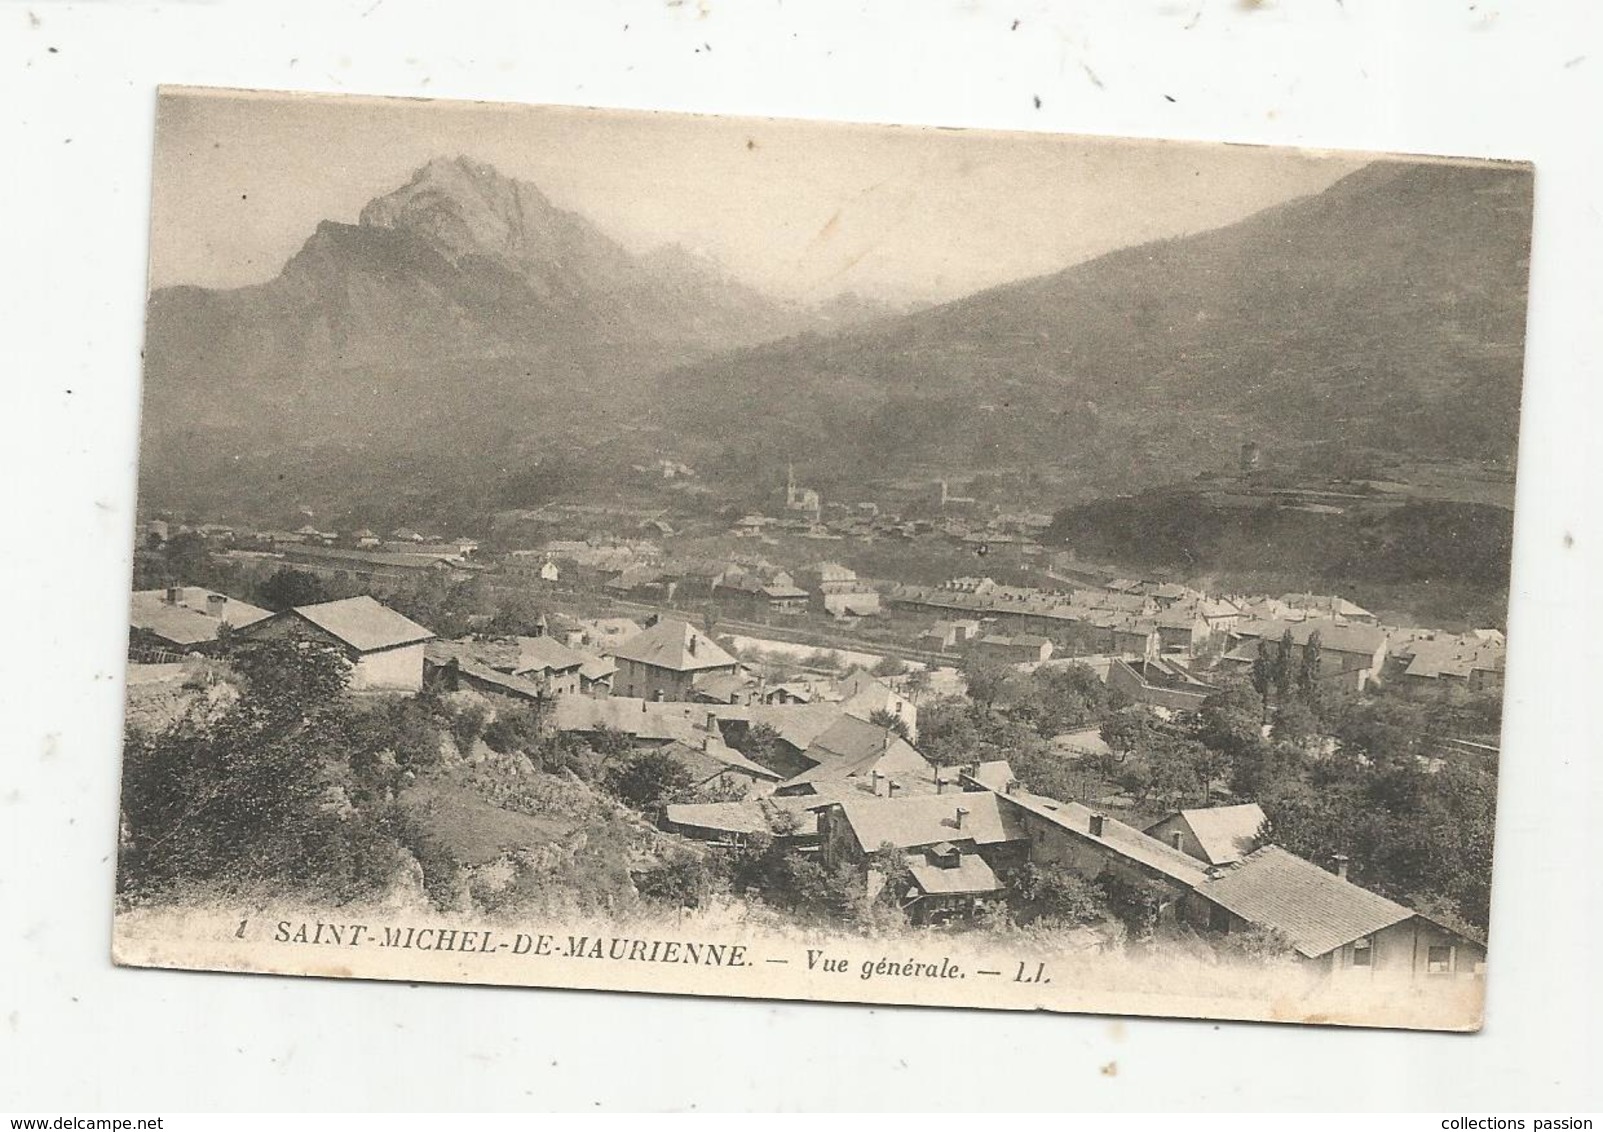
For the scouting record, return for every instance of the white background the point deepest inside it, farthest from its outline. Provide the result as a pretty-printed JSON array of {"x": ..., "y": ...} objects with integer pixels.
[{"x": 1511, "y": 79}]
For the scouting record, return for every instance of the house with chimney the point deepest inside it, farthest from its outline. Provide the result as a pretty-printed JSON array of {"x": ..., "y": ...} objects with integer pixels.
[
  {"x": 664, "y": 661},
  {"x": 180, "y": 620},
  {"x": 1473, "y": 660},
  {"x": 385, "y": 650},
  {"x": 718, "y": 769},
  {"x": 950, "y": 636},
  {"x": 1093, "y": 845},
  {"x": 1350, "y": 655},
  {"x": 860, "y": 693},
  {"x": 838, "y": 591},
  {"x": 1333, "y": 925},
  {"x": 1332, "y": 606},
  {"x": 542, "y": 662},
  {"x": 853, "y": 755},
  {"x": 1183, "y": 629},
  {"x": 1021, "y": 648},
  {"x": 760, "y": 589},
  {"x": 790, "y": 822},
  {"x": 956, "y": 847},
  {"x": 1216, "y": 835}
]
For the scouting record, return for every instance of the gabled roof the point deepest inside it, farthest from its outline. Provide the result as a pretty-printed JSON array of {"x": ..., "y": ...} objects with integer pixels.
[
  {"x": 729, "y": 817},
  {"x": 993, "y": 775},
  {"x": 851, "y": 744},
  {"x": 713, "y": 758},
  {"x": 721, "y": 686},
  {"x": 546, "y": 654},
  {"x": 1022, "y": 640},
  {"x": 1315, "y": 909},
  {"x": 674, "y": 645},
  {"x": 757, "y": 815},
  {"x": 797, "y": 724},
  {"x": 644, "y": 719},
  {"x": 929, "y": 819},
  {"x": 1226, "y": 833},
  {"x": 1179, "y": 617},
  {"x": 753, "y": 584},
  {"x": 971, "y": 877},
  {"x": 864, "y": 694},
  {"x": 190, "y": 620},
  {"x": 467, "y": 665},
  {"x": 521, "y": 655},
  {"x": 1453, "y": 656},
  {"x": 1124, "y": 840},
  {"x": 363, "y": 623},
  {"x": 1333, "y": 635},
  {"x": 1329, "y": 603},
  {"x": 635, "y": 577}
]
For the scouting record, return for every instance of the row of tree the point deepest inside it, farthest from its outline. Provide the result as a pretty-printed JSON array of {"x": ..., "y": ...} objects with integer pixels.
[{"x": 1362, "y": 775}]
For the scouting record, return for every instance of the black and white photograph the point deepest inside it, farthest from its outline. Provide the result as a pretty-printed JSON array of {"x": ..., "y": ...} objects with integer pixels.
[{"x": 772, "y": 559}]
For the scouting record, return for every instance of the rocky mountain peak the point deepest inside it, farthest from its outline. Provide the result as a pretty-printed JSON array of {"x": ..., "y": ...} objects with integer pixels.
[{"x": 468, "y": 207}]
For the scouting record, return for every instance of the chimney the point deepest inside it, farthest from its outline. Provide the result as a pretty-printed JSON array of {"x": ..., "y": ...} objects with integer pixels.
[
  {"x": 215, "y": 604},
  {"x": 940, "y": 784},
  {"x": 1098, "y": 821},
  {"x": 877, "y": 777},
  {"x": 1338, "y": 865},
  {"x": 961, "y": 814},
  {"x": 692, "y": 645},
  {"x": 891, "y": 787},
  {"x": 712, "y": 721},
  {"x": 174, "y": 594},
  {"x": 1011, "y": 787}
]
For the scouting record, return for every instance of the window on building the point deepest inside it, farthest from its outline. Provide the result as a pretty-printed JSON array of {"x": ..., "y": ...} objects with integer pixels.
[
  {"x": 1438, "y": 960},
  {"x": 1363, "y": 952}
]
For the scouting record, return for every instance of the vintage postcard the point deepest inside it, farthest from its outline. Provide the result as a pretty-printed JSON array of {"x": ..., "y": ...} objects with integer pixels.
[{"x": 772, "y": 559}]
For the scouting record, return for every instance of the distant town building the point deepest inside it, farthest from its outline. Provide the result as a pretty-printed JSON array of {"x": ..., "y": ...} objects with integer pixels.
[
  {"x": 801, "y": 499},
  {"x": 1021, "y": 649},
  {"x": 663, "y": 661},
  {"x": 1349, "y": 655}
]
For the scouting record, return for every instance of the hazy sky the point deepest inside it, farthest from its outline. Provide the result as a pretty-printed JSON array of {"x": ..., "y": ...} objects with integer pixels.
[{"x": 796, "y": 209}]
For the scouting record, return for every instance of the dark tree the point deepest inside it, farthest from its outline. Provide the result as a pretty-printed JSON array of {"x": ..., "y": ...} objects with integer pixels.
[
  {"x": 1128, "y": 731},
  {"x": 260, "y": 792},
  {"x": 1308, "y": 671},
  {"x": 889, "y": 720},
  {"x": 288, "y": 588},
  {"x": 649, "y": 780},
  {"x": 1283, "y": 670},
  {"x": 1263, "y": 675},
  {"x": 984, "y": 680}
]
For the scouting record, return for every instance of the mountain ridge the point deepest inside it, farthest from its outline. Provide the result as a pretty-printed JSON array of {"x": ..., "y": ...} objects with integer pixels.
[
  {"x": 467, "y": 323},
  {"x": 1384, "y": 313}
]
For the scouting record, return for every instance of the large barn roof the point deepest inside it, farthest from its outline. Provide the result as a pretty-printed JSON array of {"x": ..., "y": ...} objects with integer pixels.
[
  {"x": 364, "y": 624},
  {"x": 1312, "y": 907}
]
